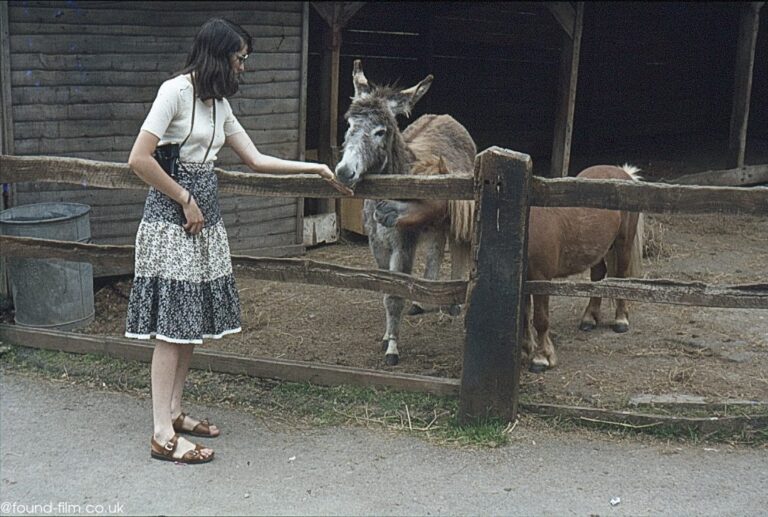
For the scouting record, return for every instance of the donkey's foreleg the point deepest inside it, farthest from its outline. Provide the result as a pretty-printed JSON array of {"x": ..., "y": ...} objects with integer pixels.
[
  {"x": 591, "y": 316},
  {"x": 394, "y": 306},
  {"x": 401, "y": 260},
  {"x": 544, "y": 356}
]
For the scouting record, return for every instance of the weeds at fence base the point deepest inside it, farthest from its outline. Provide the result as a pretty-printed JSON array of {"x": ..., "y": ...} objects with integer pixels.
[{"x": 422, "y": 415}]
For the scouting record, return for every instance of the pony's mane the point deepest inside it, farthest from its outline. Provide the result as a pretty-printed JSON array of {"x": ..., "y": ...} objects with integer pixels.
[{"x": 429, "y": 165}]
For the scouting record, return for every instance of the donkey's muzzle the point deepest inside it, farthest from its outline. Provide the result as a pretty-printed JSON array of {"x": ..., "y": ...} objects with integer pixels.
[{"x": 346, "y": 175}]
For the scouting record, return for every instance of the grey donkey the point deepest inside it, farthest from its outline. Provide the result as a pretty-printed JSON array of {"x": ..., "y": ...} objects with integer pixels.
[{"x": 432, "y": 144}]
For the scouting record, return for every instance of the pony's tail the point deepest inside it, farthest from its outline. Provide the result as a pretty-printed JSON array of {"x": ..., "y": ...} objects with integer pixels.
[
  {"x": 636, "y": 252},
  {"x": 461, "y": 214},
  {"x": 636, "y": 257},
  {"x": 632, "y": 171}
]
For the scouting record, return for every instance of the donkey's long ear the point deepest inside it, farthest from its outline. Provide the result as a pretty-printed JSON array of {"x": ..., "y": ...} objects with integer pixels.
[
  {"x": 359, "y": 80},
  {"x": 405, "y": 100}
]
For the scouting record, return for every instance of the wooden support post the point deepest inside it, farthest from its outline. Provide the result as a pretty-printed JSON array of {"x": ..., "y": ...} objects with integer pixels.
[
  {"x": 301, "y": 236},
  {"x": 569, "y": 73},
  {"x": 494, "y": 321},
  {"x": 329, "y": 105},
  {"x": 6, "y": 132},
  {"x": 336, "y": 16},
  {"x": 749, "y": 23},
  {"x": 329, "y": 95}
]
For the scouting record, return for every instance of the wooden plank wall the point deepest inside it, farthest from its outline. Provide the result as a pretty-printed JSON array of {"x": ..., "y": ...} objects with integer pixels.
[
  {"x": 655, "y": 71},
  {"x": 649, "y": 72},
  {"x": 758, "y": 122},
  {"x": 84, "y": 76}
]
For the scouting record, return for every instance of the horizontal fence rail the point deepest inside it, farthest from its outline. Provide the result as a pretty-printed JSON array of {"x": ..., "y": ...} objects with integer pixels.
[
  {"x": 503, "y": 189},
  {"x": 611, "y": 194},
  {"x": 738, "y": 296},
  {"x": 271, "y": 269}
]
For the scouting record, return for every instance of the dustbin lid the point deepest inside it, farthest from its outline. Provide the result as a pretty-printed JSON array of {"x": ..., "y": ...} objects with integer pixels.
[{"x": 37, "y": 213}]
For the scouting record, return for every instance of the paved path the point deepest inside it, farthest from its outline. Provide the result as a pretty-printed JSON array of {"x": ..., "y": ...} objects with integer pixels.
[{"x": 65, "y": 444}]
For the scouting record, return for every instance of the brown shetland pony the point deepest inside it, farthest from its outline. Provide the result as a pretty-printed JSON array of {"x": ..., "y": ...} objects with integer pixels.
[{"x": 567, "y": 241}]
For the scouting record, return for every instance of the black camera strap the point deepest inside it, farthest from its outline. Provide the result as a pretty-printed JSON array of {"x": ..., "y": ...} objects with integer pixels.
[
  {"x": 192, "y": 126},
  {"x": 210, "y": 144}
]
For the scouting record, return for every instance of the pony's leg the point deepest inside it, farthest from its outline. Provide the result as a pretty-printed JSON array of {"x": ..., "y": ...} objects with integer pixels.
[
  {"x": 623, "y": 256},
  {"x": 628, "y": 249},
  {"x": 435, "y": 247},
  {"x": 401, "y": 261},
  {"x": 460, "y": 258},
  {"x": 591, "y": 316},
  {"x": 544, "y": 355},
  {"x": 528, "y": 343}
]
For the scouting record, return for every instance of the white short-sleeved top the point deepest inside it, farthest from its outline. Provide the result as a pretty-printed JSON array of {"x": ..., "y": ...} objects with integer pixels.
[{"x": 170, "y": 119}]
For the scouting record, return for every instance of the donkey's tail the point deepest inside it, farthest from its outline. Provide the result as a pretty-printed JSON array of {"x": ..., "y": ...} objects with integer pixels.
[{"x": 461, "y": 214}]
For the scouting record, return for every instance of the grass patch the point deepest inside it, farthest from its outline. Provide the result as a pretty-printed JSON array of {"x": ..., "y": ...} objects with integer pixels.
[{"x": 305, "y": 405}]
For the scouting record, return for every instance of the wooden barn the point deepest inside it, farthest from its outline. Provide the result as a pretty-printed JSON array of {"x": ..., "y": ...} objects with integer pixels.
[
  {"x": 552, "y": 79},
  {"x": 557, "y": 80},
  {"x": 79, "y": 78}
]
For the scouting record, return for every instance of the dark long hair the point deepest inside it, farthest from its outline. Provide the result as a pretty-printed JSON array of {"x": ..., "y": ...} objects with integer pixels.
[{"x": 209, "y": 58}]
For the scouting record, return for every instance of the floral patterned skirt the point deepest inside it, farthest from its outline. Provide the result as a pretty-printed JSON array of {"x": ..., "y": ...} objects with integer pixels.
[{"x": 183, "y": 289}]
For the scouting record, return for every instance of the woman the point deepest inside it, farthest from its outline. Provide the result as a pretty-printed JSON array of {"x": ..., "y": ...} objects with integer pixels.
[{"x": 183, "y": 288}]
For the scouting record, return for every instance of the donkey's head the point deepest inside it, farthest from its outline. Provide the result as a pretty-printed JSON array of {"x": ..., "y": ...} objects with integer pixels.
[{"x": 373, "y": 131}]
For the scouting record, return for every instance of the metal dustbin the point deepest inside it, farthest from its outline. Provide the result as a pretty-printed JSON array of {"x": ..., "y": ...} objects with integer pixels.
[{"x": 52, "y": 294}]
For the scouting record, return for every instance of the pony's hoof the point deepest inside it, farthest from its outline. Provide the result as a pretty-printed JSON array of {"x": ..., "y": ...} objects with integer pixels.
[
  {"x": 454, "y": 310},
  {"x": 537, "y": 368},
  {"x": 620, "y": 327},
  {"x": 586, "y": 327},
  {"x": 415, "y": 310},
  {"x": 391, "y": 359}
]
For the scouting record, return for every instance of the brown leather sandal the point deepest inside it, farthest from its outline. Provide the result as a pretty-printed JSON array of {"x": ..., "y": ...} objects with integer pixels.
[
  {"x": 203, "y": 428},
  {"x": 165, "y": 452}
]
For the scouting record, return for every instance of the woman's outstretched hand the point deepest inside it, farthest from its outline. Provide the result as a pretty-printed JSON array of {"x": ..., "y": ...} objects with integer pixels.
[{"x": 327, "y": 174}]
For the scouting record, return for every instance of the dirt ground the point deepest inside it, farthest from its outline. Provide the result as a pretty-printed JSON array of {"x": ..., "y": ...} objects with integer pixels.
[{"x": 670, "y": 349}]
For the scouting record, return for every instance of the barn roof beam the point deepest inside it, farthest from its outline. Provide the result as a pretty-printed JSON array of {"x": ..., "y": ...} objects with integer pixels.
[
  {"x": 565, "y": 14},
  {"x": 337, "y": 14},
  {"x": 569, "y": 74}
]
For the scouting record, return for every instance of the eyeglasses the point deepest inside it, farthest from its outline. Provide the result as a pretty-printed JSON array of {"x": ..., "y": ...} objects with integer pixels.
[{"x": 241, "y": 59}]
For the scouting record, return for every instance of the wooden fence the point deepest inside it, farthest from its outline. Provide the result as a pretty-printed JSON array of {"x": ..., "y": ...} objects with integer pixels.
[{"x": 504, "y": 189}]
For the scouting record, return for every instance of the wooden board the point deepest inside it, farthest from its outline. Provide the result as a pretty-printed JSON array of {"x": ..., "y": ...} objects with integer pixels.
[{"x": 351, "y": 215}]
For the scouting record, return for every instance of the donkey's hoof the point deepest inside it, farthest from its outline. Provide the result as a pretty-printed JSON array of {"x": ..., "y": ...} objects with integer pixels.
[
  {"x": 586, "y": 326},
  {"x": 621, "y": 327},
  {"x": 391, "y": 359},
  {"x": 537, "y": 368},
  {"x": 415, "y": 310}
]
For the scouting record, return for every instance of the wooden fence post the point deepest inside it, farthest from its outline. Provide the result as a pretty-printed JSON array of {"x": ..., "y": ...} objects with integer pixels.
[{"x": 492, "y": 353}]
